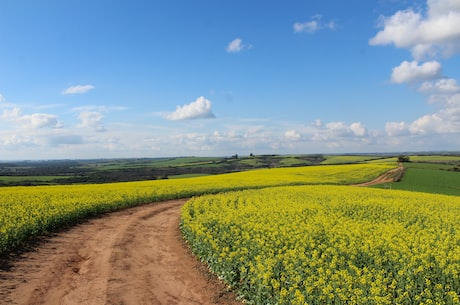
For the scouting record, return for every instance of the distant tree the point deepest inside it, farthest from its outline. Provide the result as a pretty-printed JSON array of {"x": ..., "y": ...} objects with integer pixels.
[
  {"x": 251, "y": 155},
  {"x": 403, "y": 159}
]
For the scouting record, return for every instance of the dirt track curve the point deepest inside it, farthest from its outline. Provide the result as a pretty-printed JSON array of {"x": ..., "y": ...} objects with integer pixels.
[
  {"x": 390, "y": 176},
  {"x": 135, "y": 256}
]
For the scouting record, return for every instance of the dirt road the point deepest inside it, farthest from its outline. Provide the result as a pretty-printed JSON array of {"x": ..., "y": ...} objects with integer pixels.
[
  {"x": 388, "y": 177},
  {"x": 135, "y": 256}
]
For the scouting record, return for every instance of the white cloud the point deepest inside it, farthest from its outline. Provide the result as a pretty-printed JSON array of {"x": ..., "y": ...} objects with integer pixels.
[
  {"x": 427, "y": 124},
  {"x": 408, "y": 72},
  {"x": 441, "y": 86},
  {"x": 338, "y": 128},
  {"x": 358, "y": 129},
  {"x": 435, "y": 33},
  {"x": 79, "y": 89},
  {"x": 40, "y": 120},
  {"x": 31, "y": 121},
  {"x": 236, "y": 46},
  {"x": 396, "y": 129},
  {"x": 92, "y": 120},
  {"x": 313, "y": 25},
  {"x": 2, "y": 98},
  {"x": 397, "y": 29},
  {"x": 439, "y": 7},
  {"x": 199, "y": 109},
  {"x": 17, "y": 140},
  {"x": 227, "y": 138},
  {"x": 445, "y": 121},
  {"x": 337, "y": 131},
  {"x": 341, "y": 129},
  {"x": 308, "y": 27},
  {"x": 11, "y": 114}
]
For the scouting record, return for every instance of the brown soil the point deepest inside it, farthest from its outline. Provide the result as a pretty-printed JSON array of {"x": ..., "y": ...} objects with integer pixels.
[
  {"x": 392, "y": 175},
  {"x": 135, "y": 256}
]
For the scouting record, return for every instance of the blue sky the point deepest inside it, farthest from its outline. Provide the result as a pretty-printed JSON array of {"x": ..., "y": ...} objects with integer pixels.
[{"x": 103, "y": 79}]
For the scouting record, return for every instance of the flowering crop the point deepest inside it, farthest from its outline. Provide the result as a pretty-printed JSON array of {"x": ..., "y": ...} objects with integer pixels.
[
  {"x": 330, "y": 244},
  {"x": 26, "y": 212}
]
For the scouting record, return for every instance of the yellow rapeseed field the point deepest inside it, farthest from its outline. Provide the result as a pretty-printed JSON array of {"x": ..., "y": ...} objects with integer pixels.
[
  {"x": 26, "y": 212},
  {"x": 330, "y": 244}
]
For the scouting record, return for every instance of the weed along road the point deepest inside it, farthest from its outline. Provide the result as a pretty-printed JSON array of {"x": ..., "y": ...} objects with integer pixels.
[{"x": 135, "y": 256}]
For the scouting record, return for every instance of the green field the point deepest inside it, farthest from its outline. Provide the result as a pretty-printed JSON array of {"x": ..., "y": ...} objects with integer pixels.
[
  {"x": 425, "y": 178},
  {"x": 436, "y": 159},
  {"x": 35, "y": 179},
  {"x": 348, "y": 159},
  {"x": 139, "y": 169},
  {"x": 436, "y": 174}
]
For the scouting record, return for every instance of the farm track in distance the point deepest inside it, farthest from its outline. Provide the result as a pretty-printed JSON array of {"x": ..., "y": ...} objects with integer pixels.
[{"x": 387, "y": 177}]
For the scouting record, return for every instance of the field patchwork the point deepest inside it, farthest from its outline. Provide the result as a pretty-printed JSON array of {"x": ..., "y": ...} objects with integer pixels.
[{"x": 27, "y": 212}]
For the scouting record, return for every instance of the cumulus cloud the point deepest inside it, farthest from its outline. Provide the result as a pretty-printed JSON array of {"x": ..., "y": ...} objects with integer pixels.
[
  {"x": 2, "y": 98},
  {"x": 314, "y": 25},
  {"x": 358, "y": 129},
  {"x": 333, "y": 133},
  {"x": 40, "y": 120},
  {"x": 432, "y": 33},
  {"x": 79, "y": 89},
  {"x": 338, "y": 128},
  {"x": 91, "y": 120},
  {"x": 408, "y": 72},
  {"x": 437, "y": 32},
  {"x": 341, "y": 129},
  {"x": 237, "y": 45},
  {"x": 199, "y": 109},
  {"x": 445, "y": 121},
  {"x": 31, "y": 121}
]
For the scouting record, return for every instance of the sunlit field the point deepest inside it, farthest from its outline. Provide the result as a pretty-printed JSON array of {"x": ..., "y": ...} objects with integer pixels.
[
  {"x": 26, "y": 212},
  {"x": 330, "y": 244}
]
